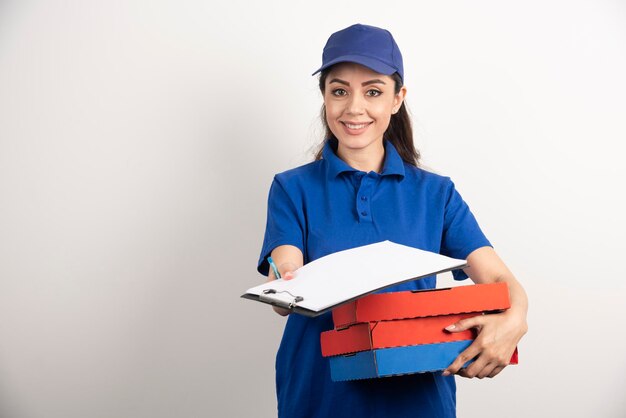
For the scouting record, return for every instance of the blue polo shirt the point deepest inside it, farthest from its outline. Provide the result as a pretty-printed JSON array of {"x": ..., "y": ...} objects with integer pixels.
[{"x": 327, "y": 206}]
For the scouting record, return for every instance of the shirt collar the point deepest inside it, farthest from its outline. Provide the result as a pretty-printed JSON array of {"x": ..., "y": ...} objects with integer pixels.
[{"x": 393, "y": 164}]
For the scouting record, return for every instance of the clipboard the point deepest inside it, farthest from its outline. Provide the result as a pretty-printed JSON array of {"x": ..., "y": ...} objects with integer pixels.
[{"x": 344, "y": 276}]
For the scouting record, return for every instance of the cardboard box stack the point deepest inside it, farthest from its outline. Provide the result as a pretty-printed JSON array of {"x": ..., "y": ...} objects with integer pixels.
[{"x": 397, "y": 333}]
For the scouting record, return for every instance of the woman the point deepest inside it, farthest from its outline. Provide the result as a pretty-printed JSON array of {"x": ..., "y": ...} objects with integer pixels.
[{"x": 365, "y": 186}]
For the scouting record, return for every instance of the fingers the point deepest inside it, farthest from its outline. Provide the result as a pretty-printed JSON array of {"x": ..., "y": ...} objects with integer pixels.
[
  {"x": 490, "y": 370},
  {"x": 281, "y": 311},
  {"x": 496, "y": 370},
  {"x": 465, "y": 324},
  {"x": 489, "y": 360},
  {"x": 467, "y": 355},
  {"x": 486, "y": 371},
  {"x": 486, "y": 363},
  {"x": 480, "y": 370},
  {"x": 287, "y": 271},
  {"x": 491, "y": 350}
]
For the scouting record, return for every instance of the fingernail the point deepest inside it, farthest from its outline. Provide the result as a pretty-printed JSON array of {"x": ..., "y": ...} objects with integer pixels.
[
  {"x": 450, "y": 327},
  {"x": 445, "y": 373}
]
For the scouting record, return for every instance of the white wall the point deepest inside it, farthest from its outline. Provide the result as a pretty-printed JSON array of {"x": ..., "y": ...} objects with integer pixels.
[{"x": 138, "y": 140}]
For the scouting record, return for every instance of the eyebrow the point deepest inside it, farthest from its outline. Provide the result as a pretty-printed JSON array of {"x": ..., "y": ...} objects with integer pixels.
[{"x": 365, "y": 83}]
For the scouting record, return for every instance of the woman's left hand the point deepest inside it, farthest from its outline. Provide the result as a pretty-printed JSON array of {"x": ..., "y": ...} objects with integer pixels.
[{"x": 498, "y": 335}]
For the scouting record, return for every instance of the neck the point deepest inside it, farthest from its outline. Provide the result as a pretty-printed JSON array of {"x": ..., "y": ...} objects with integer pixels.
[{"x": 364, "y": 159}]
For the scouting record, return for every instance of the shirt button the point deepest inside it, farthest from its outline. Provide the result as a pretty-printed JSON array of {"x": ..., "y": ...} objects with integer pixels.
[
  {"x": 363, "y": 213},
  {"x": 364, "y": 198}
]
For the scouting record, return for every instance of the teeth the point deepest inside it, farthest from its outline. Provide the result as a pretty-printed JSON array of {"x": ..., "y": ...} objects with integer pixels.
[{"x": 362, "y": 125}]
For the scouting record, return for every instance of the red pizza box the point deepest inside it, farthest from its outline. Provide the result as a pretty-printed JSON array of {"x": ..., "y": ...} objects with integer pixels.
[
  {"x": 384, "y": 334},
  {"x": 423, "y": 303}
]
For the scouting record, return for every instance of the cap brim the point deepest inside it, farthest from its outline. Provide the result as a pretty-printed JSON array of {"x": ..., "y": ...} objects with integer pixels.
[{"x": 371, "y": 63}]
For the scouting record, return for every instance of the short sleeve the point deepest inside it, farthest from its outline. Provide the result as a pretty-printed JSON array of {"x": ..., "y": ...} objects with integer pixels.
[
  {"x": 285, "y": 224},
  {"x": 461, "y": 232}
]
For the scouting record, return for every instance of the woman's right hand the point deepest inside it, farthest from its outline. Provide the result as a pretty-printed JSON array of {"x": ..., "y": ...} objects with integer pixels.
[
  {"x": 288, "y": 259},
  {"x": 287, "y": 272}
]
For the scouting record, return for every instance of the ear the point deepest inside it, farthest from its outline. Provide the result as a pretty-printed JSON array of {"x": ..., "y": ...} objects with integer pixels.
[{"x": 398, "y": 99}]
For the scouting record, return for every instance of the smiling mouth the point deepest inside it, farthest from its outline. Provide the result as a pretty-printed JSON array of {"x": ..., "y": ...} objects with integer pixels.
[{"x": 356, "y": 125}]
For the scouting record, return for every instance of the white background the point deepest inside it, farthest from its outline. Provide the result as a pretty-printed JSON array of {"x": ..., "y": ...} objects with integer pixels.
[{"x": 138, "y": 140}]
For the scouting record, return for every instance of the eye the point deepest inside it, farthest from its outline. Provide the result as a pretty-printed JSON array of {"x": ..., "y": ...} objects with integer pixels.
[
  {"x": 339, "y": 92},
  {"x": 373, "y": 93}
]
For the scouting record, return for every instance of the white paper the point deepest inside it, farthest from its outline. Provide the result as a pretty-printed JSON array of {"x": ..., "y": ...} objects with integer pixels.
[{"x": 344, "y": 275}]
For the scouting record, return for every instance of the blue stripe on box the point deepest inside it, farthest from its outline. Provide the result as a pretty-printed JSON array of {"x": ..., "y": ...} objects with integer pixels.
[{"x": 396, "y": 360}]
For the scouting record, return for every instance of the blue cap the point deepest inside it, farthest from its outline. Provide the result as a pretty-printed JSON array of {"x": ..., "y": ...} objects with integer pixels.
[{"x": 370, "y": 46}]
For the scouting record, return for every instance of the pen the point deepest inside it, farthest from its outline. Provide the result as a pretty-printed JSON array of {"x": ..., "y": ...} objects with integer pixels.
[{"x": 276, "y": 273}]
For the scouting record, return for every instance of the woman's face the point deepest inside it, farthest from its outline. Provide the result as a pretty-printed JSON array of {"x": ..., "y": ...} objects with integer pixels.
[{"x": 359, "y": 103}]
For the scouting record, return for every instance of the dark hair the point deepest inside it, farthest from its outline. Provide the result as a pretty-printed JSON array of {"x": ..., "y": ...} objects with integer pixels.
[{"x": 399, "y": 132}]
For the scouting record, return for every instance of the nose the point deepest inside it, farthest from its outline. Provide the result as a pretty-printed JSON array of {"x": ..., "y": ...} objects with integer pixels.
[{"x": 355, "y": 105}]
